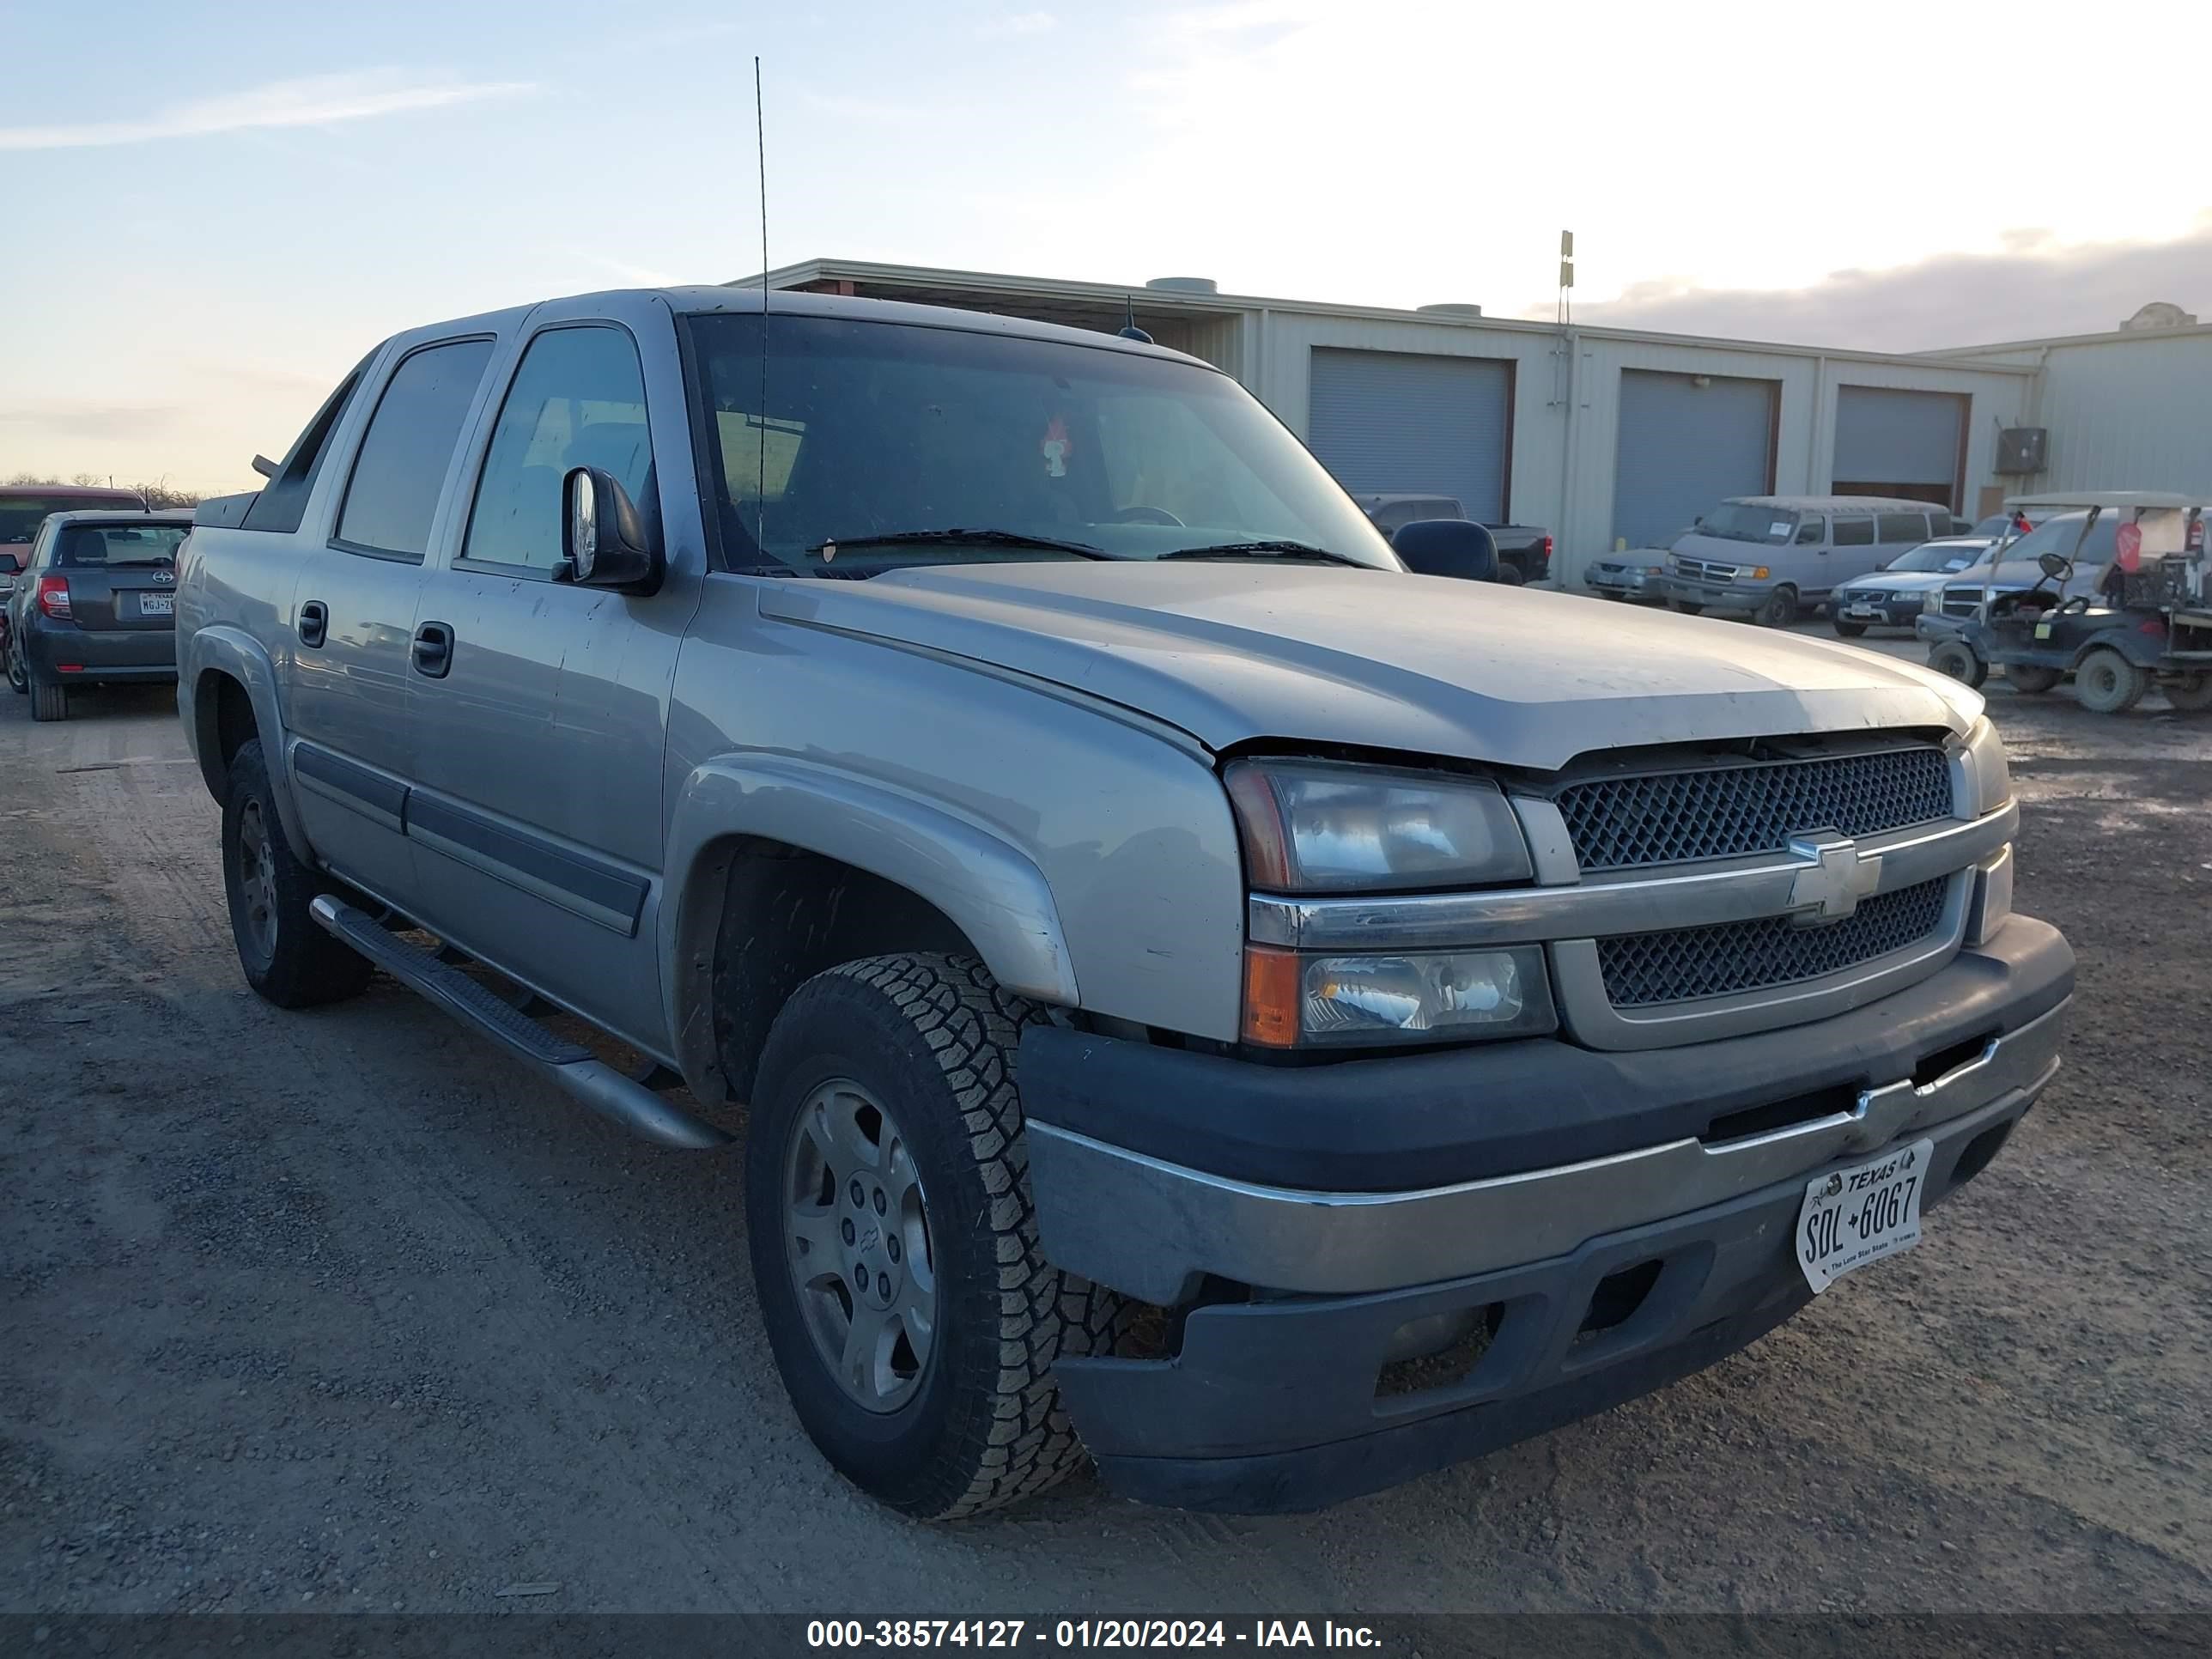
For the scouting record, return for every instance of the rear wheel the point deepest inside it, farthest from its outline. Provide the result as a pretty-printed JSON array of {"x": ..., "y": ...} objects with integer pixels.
[
  {"x": 1511, "y": 575},
  {"x": 1957, "y": 658},
  {"x": 2031, "y": 678},
  {"x": 2190, "y": 693},
  {"x": 894, "y": 1246},
  {"x": 1779, "y": 610},
  {"x": 286, "y": 957},
  {"x": 49, "y": 702},
  {"x": 2107, "y": 683},
  {"x": 1850, "y": 630}
]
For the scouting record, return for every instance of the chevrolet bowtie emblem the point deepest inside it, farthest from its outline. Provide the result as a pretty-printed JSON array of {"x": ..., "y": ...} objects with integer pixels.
[{"x": 1836, "y": 877}]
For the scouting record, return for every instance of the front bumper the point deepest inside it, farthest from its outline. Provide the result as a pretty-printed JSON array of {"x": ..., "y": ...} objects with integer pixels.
[
  {"x": 1292, "y": 1299},
  {"x": 1713, "y": 596},
  {"x": 1875, "y": 613},
  {"x": 1934, "y": 626}
]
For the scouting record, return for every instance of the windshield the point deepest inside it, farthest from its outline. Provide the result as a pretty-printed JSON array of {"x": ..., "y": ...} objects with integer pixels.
[
  {"x": 2058, "y": 536},
  {"x": 1934, "y": 556},
  {"x": 97, "y": 546},
  {"x": 20, "y": 511},
  {"x": 1744, "y": 521},
  {"x": 887, "y": 429}
]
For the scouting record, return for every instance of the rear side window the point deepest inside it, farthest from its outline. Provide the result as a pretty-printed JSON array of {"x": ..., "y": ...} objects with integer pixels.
[
  {"x": 577, "y": 400},
  {"x": 393, "y": 493},
  {"x": 283, "y": 500},
  {"x": 1854, "y": 531},
  {"x": 1909, "y": 529}
]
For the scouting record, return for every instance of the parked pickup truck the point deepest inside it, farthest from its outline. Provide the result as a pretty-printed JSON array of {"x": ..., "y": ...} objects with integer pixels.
[
  {"x": 1202, "y": 994},
  {"x": 1524, "y": 551}
]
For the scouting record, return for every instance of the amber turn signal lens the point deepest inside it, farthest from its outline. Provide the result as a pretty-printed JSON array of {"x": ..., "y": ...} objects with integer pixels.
[{"x": 1271, "y": 996}]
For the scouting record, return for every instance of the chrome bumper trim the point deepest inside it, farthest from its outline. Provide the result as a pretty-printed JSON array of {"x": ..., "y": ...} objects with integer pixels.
[{"x": 1150, "y": 1229}]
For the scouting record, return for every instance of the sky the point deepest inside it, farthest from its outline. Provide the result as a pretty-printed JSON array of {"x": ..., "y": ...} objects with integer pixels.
[{"x": 218, "y": 209}]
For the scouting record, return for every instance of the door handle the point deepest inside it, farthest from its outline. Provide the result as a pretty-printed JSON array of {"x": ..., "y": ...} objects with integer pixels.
[
  {"x": 315, "y": 625},
  {"x": 433, "y": 650}
]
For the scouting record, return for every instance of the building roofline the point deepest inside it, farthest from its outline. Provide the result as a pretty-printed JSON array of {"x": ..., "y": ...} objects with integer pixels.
[
  {"x": 2130, "y": 335},
  {"x": 982, "y": 283}
]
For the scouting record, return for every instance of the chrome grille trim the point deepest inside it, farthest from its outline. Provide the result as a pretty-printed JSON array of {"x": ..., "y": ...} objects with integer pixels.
[
  {"x": 1739, "y": 889},
  {"x": 1685, "y": 816}
]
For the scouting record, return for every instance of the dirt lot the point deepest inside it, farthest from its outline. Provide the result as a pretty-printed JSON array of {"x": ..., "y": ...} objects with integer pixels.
[{"x": 334, "y": 1310}]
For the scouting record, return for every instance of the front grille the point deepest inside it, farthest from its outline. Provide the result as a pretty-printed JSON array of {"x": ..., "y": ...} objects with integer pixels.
[
  {"x": 1622, "y": 824},
  {"x": 1961, "y": 601},
  {"x": 1640, "y": 970},
  {"x": 1704, "y": 571}
]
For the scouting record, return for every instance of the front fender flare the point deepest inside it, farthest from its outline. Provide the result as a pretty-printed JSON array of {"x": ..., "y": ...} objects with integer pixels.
[
  {"x": 223, "y": 649},
  {"x": 991, "y": 889}
]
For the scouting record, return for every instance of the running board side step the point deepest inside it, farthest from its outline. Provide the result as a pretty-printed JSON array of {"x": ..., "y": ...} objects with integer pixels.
[{"x": 570, "y": 1068}]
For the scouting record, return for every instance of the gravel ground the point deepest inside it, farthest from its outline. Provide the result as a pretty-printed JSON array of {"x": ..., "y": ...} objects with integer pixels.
[{"x": 334, "y": 1310}]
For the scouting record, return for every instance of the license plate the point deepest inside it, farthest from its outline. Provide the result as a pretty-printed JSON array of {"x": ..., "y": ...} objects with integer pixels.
[
  {"x": 1860, "y": 1215},
  {"x": 157, "y": 604},
  {"x": 1866, "y": 610}
]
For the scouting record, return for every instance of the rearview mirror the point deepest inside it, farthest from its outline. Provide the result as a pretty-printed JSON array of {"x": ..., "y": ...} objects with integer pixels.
[
  {"x": 1448, "y": 547},
  {"x": 2054, "y": 564},
  {"x": 606, "y": 542}
]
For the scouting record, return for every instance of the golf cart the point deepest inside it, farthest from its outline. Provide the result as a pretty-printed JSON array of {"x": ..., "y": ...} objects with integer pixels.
[{"x": 2148, "y": 620}]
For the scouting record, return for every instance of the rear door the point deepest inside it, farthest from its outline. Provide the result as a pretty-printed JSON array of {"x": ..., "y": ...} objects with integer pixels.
[
  {"x": 353, "y": 615},
  {"x": 535, "y": 818}
]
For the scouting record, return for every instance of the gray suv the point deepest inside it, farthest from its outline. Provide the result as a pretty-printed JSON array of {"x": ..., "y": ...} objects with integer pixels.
[{"x": 1201, "y": 994}]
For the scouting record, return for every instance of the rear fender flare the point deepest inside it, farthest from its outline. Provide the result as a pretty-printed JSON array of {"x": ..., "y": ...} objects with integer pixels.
[
  {"x": 2140, "y": 649},
  {"x": 987, "y": 887}
]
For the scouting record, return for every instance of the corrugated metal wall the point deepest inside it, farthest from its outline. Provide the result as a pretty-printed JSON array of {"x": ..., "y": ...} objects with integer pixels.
[
  {"x": 1404, "y": 423},
  {"x": 2131, "y": 412},
  {"x": 1682, "y": 447}
]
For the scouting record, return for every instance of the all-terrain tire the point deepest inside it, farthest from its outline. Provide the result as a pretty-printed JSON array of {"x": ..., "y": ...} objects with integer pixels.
[
  {"x": 287, "y": 959},
  {"x": 2191, "y": 694},
  {"x": 1957, "y": 660},
  {"x": 2107, "y": 683},
  {"x": 933, "y": 1039}
]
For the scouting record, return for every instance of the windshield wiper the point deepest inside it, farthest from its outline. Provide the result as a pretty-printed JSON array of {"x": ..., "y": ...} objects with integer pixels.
[
  {"x": 965, "y": 539},
  {"x": 1262, "y": 550}
]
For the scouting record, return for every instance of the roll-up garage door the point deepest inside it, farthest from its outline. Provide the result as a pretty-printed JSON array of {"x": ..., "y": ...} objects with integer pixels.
[
  {"x": 1687, "y": 443},
  {"x": 1890, "y": 442},
  {"x": 1388, "y": 422}
]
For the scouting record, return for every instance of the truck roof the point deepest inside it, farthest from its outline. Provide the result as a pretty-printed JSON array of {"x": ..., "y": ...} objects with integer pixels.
[{"x": 2085, "y": 498}]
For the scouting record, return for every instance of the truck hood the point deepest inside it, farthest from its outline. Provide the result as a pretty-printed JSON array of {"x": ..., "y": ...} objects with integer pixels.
[
  {"x": 1897, "y": 582},
  {"x": 1234, "y": 652}
]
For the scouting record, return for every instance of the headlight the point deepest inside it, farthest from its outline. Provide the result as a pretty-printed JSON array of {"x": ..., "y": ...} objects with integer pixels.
[
  {"x": 1932, "y": 600},
  {"x": 1988, "y": 773},
  {"x": 1758, "y": 572},
  {"x": 1322, "y": 827},
  {"x": 1431, "y": 995}
]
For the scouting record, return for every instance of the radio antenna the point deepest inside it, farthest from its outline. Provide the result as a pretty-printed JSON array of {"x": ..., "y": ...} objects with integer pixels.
[{"x": 760, "y": 149}]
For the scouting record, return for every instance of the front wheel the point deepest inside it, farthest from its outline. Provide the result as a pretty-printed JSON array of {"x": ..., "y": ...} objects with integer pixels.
[
  {"x": 16, "y": 678},
  {"x": 1686, "y": 608},
  {"x": 2107, "y": 683},
  {"x": 2191, "y": 693},
  {"x": 286, "y": 957},
  {"x": 1779, "y": 610},
  {"x": 1956, "y": 658},
  {"x": 911, "y": 1311},
  {"x": 1850, "y": 630}
]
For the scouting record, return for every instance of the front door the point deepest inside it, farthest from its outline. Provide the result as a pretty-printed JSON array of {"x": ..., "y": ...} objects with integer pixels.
[
  {"x": 353, "y": 616},
  {"x": 536, "y": 821}
]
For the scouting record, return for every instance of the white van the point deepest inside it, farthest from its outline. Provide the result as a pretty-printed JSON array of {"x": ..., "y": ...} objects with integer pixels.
[{"x": 1771, "y": 556}]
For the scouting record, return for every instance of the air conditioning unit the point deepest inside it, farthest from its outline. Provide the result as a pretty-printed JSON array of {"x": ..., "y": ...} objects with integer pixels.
[{"x": 2023, "y": 448}]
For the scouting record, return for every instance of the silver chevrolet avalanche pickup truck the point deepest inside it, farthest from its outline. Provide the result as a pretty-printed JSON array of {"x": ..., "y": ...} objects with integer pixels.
[{"x": 1201, "y": 996}]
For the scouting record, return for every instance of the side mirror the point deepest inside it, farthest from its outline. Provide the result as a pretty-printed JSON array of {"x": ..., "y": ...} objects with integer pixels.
[
  {"x": 1448, "y": 547},
  {"x": 605, "y": 541},
  {"x": 2055, "y": 564}
]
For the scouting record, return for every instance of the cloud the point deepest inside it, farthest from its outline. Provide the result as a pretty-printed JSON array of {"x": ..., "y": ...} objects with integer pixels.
[
  {"x": 1013, "y": 25},
  {"x": 309, "y": 102},
  {"x": 2033, "y": 287}
]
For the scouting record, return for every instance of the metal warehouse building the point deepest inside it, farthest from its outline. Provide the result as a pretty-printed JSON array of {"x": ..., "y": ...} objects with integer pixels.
[{"x": 1611, "y": 436}]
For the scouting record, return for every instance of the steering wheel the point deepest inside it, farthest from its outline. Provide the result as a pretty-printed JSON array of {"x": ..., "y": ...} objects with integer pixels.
[{"x": 1147, "y": 516}]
